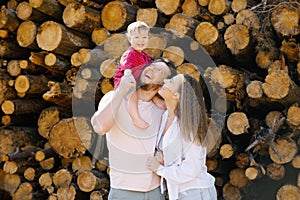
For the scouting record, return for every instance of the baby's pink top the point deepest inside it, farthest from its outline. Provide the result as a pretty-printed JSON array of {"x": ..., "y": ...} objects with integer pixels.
[{"x": 134, "y": 60}]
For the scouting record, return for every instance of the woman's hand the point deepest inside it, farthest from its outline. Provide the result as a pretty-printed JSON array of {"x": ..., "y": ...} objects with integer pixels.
[
  {"x": 159, "y": 156},
  {"x": 152, "y": 164}
]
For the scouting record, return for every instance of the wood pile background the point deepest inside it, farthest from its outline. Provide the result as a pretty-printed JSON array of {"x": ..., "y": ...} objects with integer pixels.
[{"x": 57, "y": 54}]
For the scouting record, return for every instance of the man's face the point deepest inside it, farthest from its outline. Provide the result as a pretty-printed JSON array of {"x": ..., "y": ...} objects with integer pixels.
[{"x": 155, "y": 73}]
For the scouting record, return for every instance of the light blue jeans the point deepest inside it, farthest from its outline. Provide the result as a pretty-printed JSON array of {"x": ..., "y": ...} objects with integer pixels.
[
  {"x": 118, "y": 194},
  {"x": 199, "y": 194}
]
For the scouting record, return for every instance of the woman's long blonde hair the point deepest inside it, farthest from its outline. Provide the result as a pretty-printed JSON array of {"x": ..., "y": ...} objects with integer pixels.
[{"x": 191, "y": 111}]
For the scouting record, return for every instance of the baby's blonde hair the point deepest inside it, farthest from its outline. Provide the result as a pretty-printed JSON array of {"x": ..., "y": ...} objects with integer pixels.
[{"x": 136, "y": 26}]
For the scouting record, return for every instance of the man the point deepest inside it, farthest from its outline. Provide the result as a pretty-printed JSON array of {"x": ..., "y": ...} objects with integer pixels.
[{"x": 128, "y": 145}]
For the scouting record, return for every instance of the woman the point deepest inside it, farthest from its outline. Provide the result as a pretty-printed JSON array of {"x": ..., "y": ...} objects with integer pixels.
[{"x": 181, "y": 141}]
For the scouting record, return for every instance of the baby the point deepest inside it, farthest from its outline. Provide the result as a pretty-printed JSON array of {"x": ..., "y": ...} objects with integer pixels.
[{"x": 135, "y": 58}]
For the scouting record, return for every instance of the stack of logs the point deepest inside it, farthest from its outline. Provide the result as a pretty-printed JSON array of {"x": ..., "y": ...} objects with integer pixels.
[{"x": 58, "y": 58}]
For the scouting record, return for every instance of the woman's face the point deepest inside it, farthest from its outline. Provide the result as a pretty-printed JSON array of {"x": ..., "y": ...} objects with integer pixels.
[{"x": 170, "y": 88}]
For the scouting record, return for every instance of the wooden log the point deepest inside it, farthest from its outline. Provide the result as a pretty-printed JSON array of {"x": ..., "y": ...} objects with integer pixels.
[
  {"x": 13, "y": 137},
  {"x": 29, "y": 174},
  {"x": 12, "y": 4},
  {"x": 65, "y": 41},
  {"x": 117, "y": 15},
  {"x": 23, "y": 106},
  {"x": 65, "y": 140},
  {"x": 31, "y": 84},
  {"x": 191, "y": 8},
  {"x": 108, "y": 68},
  {"x": 231, "y": 192},
  {"x": 57, "y": 62},
  {"x": 253, "y": 173},
  {"x": 12, "y": 182},
  {"x": 99, "y": 35},
  {"x": 238, "y": 123},
  {"x": 10, "y": 167},
  {"x": 264, "y": 59},
  {"x": 288, "y": 192},
  {"x": 248, "y": 18},
  {"x": 62, "y": 178},
  {"x": 242, "y": 160},
  {"x": 48, "y": 117},
  {"x": 9, "y": 20},
  {"x": 285, "y": 19},
  {"x": 213, "y": 138},
  {"x": 96, "y": 195},
  {"x": 13, "y": 67},
  {"x": 101, "y": 165},
  {"x": 10, "y": 49},
  {"x": 293, "y": 116},
  {"x": 275, "y": 171},
  {"x": 290, "y": 49},
  {"x": 227, "y": 151},
  {"x": 254, "y": 89},
  {"x": 49, "y": 7},
  {"x": 115, "y": 45},
  {"x": 48, "y": 163},
  {"x": 229, "y": 19},
  {"x": 167, "y": 7},
  {"x": 238, "y": 5},
  {"x": 237, "y": 39},
  {"x": 182, "y": 25},
  {"x": 29, "y": 67},
  {"x": 26, "y": 35},
  {"x": 6, "y": 92},
  {"x": 81, "y": 18},
  {"x": 278, "y": 86},
  {"x": 155, "y": 46},
  {"x": 218, "y": 7},
  {"x": 66, "y": 193},
  {"x": 80, "y": 57},
  {"x": 59, "y": 94},
  {"x": 190, "y": 69},
  {"x": 45, "y": 181},
  {"x": 25, "y": 11},
  {"x": 41, "y": 155},
  {"x": 283, "y": 151},
  {"x": 296, "y": 162},
  {"x": 175, "y": 54},
  {"x": 208, "y": 36},
  {"x": 238, "y": 178},
  {"x": 148, "y": 15},
  {"x": 81, "y": 164},
  {"x": 106, "y": 86},
  {"x": 24, "y": 192},
  {"x": 88, "y": 182}
]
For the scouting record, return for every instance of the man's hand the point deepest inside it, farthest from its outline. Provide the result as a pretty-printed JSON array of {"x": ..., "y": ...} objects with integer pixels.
[
  {"x": 152, "y": 164},
  {"x": 127, "y": 82}
]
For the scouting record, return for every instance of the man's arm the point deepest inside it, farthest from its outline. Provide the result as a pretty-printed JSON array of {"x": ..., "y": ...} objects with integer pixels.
[{"x": 103, "y": 119}]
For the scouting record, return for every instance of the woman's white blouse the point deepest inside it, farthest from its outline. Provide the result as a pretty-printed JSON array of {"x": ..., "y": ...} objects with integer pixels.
[{"x": 184, "y": 162}]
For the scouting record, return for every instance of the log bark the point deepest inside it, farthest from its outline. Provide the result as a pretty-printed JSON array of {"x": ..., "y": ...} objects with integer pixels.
[
  {"x": 65, "y": 41},
  {"x": 59, "y": 94},
  {"x": 23, "y": 106},
  {"x": 81, "y": 18},
  {"x": 231, "y": 192},
  {"x": 238, "y": 178},
  {"x": 6, "y": 92},
  {"x": 31, "y": 84},
  {"x": 117, "y": 15},
  {"x": 25, "y": 11},
  {"x": 10, "y": 49},
  {"x": 24, "y": 192},
  {"x": 49, "y": 7}
]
